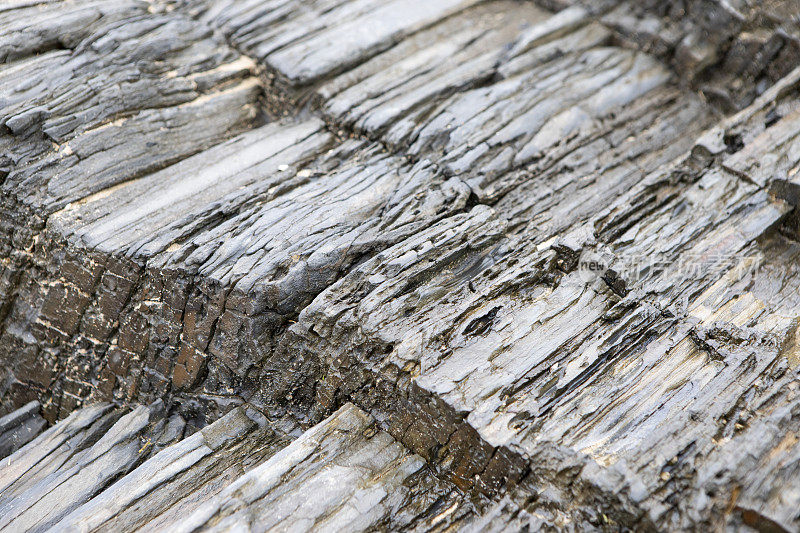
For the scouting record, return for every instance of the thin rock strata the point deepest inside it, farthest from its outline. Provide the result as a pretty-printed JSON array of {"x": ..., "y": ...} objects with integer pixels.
[
  {"x": 111, "y": 469},
  {"x": 487, "y": 265},
  {"x": 20, "y": 427}
]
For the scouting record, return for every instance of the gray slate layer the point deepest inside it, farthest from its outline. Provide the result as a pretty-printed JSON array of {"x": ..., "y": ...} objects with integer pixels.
[
  {"x": 20, "y": 427},
  {"x": 143, "y": 473},
  {"x": 283, "y": 207}
]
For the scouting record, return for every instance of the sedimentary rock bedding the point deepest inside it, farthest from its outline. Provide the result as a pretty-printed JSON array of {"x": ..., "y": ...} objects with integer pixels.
[
  {"x": 489, "y": 264},
  {"x": 238, "y": 472}
]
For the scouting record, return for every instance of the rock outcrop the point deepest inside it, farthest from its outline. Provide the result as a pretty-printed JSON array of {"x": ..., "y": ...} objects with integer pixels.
[{"x": 486, "y": 264}]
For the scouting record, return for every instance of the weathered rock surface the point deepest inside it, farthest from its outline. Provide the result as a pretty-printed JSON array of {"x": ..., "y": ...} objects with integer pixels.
[
  {"x": 164, "y": 490},
  {"x": 74, "y": 460},
  {"x": 341, "y": 475},
  {"x": 242, "y": 471},
  {"x": 524, "y": 247},
  {"x": 19, "y": 428}
]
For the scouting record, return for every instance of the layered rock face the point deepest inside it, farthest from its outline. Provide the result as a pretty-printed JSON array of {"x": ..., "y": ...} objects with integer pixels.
[
  {"x": 123, "y": 469},
  {"x": 537, "y": 260}
]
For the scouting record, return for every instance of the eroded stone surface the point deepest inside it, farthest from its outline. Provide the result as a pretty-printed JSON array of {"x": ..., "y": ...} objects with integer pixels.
[
  {"x": 343, "y": 474},
  {"x": 74, "y": 460},
  {"x": 19, "y": 428},
  {"x": 164, "y": 490},
  {"x": 418, "y": 240},
  {"x": 242, "y": 471}
]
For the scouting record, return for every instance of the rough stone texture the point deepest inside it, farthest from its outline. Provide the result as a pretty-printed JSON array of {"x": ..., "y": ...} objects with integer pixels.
[
  {"x": 98, "y": 105},
  {"x": 730, "y": 50},
  {"x": 73, "y": 461},
  {"x": 551, "y": 254},
  {"x": 241, "y": 471},
  {"x": 341, "y": 475},
  {"x": 19, "y": 428},
  {"x": 162, "y": 492}
]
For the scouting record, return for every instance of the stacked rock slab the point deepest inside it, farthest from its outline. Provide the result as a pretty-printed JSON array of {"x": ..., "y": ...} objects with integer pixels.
[
  {"x": 513, "y": 237},
  {"x": 19, "y": 428},
  {"x": 152, "y": 283},
  {"x": 74, "y": 460},
  {"x": 103, "y": 469},
  {"x": 636, "y": 373}
]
